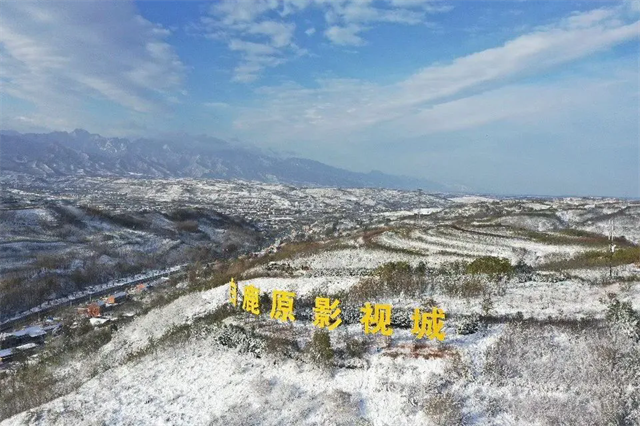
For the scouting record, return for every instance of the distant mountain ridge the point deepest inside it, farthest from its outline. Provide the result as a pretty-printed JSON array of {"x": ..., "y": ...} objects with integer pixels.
[{"x": 83, "y": 153}]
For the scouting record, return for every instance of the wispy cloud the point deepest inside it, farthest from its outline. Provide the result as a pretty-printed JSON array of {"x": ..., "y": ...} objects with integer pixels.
[
  {"x": 345, "y": 36},
  {"x": 55, "y": 55},
  {"x": 217, "y": 105},
  {"x": 270, "y": 23},
  {"x": 337, "y": 108}
]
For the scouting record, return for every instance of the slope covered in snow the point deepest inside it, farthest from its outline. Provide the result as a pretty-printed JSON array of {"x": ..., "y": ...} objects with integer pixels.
[{"x": 536, "y": 344}]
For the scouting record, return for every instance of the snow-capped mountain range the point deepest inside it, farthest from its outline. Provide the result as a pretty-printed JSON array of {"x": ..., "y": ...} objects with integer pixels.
[{"x": 83, "y": 153}]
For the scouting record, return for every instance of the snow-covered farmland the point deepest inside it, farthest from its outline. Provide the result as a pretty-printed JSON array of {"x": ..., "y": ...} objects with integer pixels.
[{"x": 447, "y": 241}]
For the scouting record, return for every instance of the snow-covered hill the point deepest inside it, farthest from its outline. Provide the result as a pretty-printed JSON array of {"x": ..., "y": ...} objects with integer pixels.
[
  {"x": 550, "y": 342},
  {"x": 542, "y": 358}
]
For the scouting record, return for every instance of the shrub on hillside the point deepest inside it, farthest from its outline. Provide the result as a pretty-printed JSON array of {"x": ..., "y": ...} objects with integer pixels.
[
  {"x": 487, "y": 304},
  {"x": 390, "y": 271},
  {"x": 400, "y": 277},
  {"x": 522, "y": 268},
  {"x": 421, "y": 269},
  {"x": 355, "y": 348},
  {"x": 320, "y": 347},
  {"x": 579, "y": 366},
  {"x": 623, "y": 317},
  {"x": 468, "y": 325},
  {"x": 626, "y": 255},
  {"x": 490, "y": 265},
  {"x": 464, "y": 287},
  {"x": 388, "y": 280},
  {"x": 234, "y": 336},
  {"x": 597, "y": 258},
  {"x": 457, "y": 267}
]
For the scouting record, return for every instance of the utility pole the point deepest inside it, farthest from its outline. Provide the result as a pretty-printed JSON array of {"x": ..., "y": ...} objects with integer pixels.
[
  {"x": 612, "y": 248},
  {"x": 419, "y": 206}
]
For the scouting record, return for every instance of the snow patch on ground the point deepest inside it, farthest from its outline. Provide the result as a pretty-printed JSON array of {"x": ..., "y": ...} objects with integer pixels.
[
  {"x": 472, "y": 199},
  {"x": 360, "y": 258},
  {"x": 213, "y": 386}
]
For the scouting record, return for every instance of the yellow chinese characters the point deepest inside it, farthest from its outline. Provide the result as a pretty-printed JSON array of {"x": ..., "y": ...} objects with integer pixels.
[
  {"x": 379, "y": 317},
  {"x": 233, "y": 293},
  {"x": 325, "y": 313},
  {"x": 428, "y": 324},
  {"x": 251, "y": 300},
  {"x": 376, "y": 318},
  {"x": 282, "y": 305}
]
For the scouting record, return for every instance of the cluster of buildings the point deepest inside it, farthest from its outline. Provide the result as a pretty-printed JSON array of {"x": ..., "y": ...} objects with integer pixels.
[
  {"x": 97, "y": 308},
  {"x": 26, "y": 340}
]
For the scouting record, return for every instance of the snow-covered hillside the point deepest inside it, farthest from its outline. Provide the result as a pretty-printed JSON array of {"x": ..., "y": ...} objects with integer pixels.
[
  {"x": 549, "y": 340},
  {"x": 394, "y": 381}
]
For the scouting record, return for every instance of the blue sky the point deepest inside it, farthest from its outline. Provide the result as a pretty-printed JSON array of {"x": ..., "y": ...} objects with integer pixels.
[{"x": 517, "y": 97}]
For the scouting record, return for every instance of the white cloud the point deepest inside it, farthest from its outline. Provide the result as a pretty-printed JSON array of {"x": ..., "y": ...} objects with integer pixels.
[
  {"x": 349, "y": 19},
  {"x": 526, "y": 54},
  {"x": 248, "y": 71},
  {"x": 345, "y": 36},
  {"x": 527, "y": 103},
  {"x": 270, "y": 22},
  {"x": 437, "y": 98},
  {"x": 256, "y": 57},
  {"x": 587, "y": 19},
  {"x": 261, "y": 42},
  {"x": 241, "y": 11},
  {"x": 280, "y": 34},
  {"x": 632, "y": 6},
  {"x": 35, "y": 122},
  {"x": 252, "y": 49},
  {"x": 421, "y": 6},
  {"x": 54, "y": 55},
  {"x": 366, "y": 12}
]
